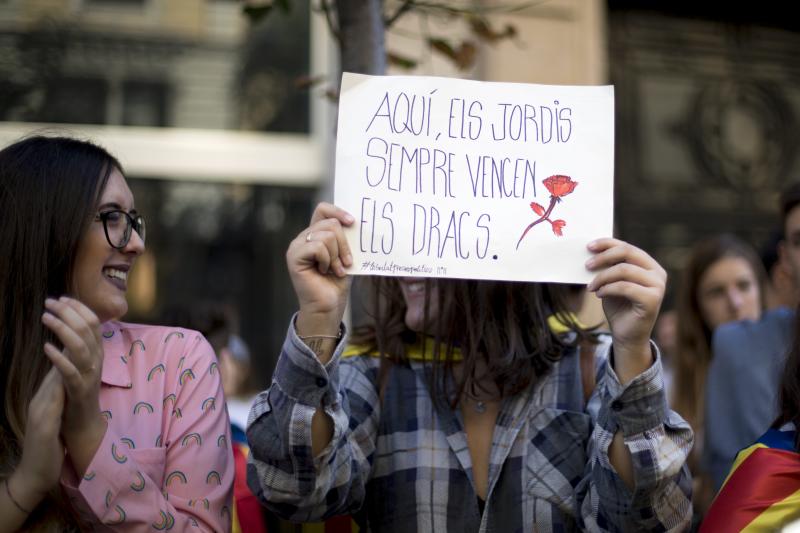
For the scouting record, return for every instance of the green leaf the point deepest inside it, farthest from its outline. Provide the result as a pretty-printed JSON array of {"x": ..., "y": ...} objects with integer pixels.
[
  {"x": 464, "y": 56},
  {"x": 480, "y": 28},
  {"x": 400, "y": 61},
  {"x": 443, "y": 47}
]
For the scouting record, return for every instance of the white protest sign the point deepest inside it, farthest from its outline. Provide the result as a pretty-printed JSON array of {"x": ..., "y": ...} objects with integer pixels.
[{"x": 465, "y": 179}]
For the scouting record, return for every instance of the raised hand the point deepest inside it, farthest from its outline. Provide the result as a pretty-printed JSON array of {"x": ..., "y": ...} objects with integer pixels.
[
  {"x": 42, "y": 451},
  {"x": 81, "y": 365},
  {"x": 631, "y": 285},
  {"x": 317, "y": 259}
]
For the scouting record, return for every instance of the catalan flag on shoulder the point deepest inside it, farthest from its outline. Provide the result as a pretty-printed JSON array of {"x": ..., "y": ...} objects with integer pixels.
[{"x": 762, "y": 491}]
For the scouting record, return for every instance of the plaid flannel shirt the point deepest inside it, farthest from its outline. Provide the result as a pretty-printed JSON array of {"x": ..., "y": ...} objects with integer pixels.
[{"x": 401, "y": 463}]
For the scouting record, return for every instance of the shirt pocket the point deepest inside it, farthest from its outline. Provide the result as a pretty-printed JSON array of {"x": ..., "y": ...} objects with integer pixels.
[
  {"x": 556, "y": 458},
  {"x": 150, "y": 462}
]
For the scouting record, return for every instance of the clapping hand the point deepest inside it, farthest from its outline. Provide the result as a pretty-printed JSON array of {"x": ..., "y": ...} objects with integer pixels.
[{"x": 81, "y": 365}]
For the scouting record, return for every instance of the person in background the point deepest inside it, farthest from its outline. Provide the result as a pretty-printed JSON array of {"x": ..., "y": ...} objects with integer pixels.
[
  {"x": 723, "y": 281},
  {"x": 105, "y": 424},
  {"x": 665, "y": 335},
  {"x": 460, "y": 409},
  {"x": 762, "y": 491},
  {"x": 781, "y": 288},
  {"x": 234, "y": 360},
  {"x": 748, "y": 358}
]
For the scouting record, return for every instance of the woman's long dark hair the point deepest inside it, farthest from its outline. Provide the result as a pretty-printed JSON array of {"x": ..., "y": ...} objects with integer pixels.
[
  {"x": 789, "y": 396},
  {"x": 693, "y": 350},
  {"x": 49, "y": 188},
  {"x": 504, "y": 324}
]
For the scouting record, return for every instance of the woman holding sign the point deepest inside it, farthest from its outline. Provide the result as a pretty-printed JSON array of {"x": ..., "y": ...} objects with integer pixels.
[{"x": 470, "y": 405}]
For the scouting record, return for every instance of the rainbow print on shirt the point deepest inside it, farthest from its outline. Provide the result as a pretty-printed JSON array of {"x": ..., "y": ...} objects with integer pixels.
[
  {"x": 209, "y": 404},
  {"x": 190, "y": 438},
  {"x": 142, "y": 406},
  {"x": 176, "y": 474},
  {"x": 156, "y": 370},
  {"x": 186, "y": 376}
]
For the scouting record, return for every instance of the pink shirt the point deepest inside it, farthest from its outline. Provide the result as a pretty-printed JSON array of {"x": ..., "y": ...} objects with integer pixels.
[{"x": 166, "y": 461}]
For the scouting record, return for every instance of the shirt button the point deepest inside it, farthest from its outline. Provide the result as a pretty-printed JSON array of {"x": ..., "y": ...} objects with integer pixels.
[
  {"x": 616, "y": 405},
  {"x": 321, "y": 382}
]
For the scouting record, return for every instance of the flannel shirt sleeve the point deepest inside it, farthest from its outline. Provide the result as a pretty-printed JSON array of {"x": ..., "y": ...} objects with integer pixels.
[
  {"x": 282, "y": 471},
  {"x": 659, "y": 441}
]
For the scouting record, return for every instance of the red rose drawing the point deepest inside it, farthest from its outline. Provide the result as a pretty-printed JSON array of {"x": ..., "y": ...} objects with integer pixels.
[{"x": 559, "y": 186}]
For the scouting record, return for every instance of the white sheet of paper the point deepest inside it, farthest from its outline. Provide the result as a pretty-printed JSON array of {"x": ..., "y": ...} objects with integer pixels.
[{"x": 441, "y": 174}]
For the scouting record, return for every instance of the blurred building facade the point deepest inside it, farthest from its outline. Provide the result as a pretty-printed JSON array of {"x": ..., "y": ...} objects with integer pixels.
[
  {"x": 200, "y": 106},
  {"x": 227, "y": 151},
  {"x": 707, "y": 108},
  {"x": 708, "y": 103}
]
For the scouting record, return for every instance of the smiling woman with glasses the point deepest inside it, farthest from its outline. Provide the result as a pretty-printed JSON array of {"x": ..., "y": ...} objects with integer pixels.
[{"x": 105, "y": 424}]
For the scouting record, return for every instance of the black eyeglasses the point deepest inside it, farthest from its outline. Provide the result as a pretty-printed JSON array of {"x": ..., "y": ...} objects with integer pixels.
[{"x": 118, "y": 225}]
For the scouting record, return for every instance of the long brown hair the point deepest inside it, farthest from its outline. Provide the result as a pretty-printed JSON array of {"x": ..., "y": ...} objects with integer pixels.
[
  {"x": 49, "y": 187},
  {"x": 504, "y": 324},
  {"x": 693, "y": 347}
]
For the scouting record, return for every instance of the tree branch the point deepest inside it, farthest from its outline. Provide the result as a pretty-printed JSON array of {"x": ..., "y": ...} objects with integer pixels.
[
  {"x": 402, "y": 10},
  {"x": 327, "y": 9},
  {"x": 449, "y": 9}
]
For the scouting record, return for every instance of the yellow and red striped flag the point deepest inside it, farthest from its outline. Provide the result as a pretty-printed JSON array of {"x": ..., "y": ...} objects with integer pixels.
[{"x": 762, "y": 491}]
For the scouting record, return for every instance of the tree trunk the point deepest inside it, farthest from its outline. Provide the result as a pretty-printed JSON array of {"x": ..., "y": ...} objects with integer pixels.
[
  {"x": 361, "y": 36},
  {"x": 363, "y": 51}
]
